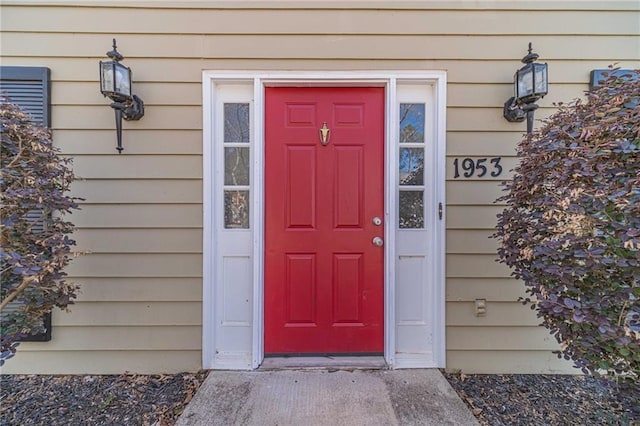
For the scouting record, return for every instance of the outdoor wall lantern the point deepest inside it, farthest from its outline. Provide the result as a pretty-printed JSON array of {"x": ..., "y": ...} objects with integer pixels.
[
  {"x": 115, "y": 83},
  {"x": 530, "y": 83}
]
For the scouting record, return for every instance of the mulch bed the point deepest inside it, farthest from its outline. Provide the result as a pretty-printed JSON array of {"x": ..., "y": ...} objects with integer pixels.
[
  {"x": 519, "y": 399},
  {"x": 158, "y": 400},
  {"x": 128, "y": 399}
]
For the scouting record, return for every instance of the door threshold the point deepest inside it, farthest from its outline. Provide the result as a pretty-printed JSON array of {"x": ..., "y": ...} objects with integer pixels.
[{"x": 324, "y": 362}]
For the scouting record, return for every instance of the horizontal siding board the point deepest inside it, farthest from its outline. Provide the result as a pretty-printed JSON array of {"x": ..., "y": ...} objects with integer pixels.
[
  {"x": 475, "y": 266},
  {"x": 157, "y": 289},
  {"x": 482, "y": 143},
  {"x": 504, "y": 362},
  {"x": 488, "y": 119},
  {"x": 526, "y": 5},
  {"x": 324, "y": 46},
  {"x": 473, "y": 192},
  {"x": 102, "y": 117},
  {"x": 189, "y": 70},
  {"x": 139, "y": 191},
  {"x": 490, "y": 289},
  {"x": 108, "y": 20},
  {"x": 472, "y": 217},
  {"x": 470, "y": 241},
  {"x": 492, "y": 95},
  {"x": 123, "y": 338},
  {"x": 88, "y": 93},
  {"x": 499, "y": 314},
  {"x": 138, "y": 265},
  {"x": 151, "y": 240},
  {"x": 138, "y": 166},
  {"x": 130, "y": 314},
  {"x": 107, "y": 216},
  {"x": 104, "y": 362},
  {"x": 138, "y": 141},
  {"x": 501, "y": 339}
]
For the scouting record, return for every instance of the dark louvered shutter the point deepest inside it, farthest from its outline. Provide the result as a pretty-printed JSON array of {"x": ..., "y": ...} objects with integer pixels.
[{"x": 28, "y": 87}]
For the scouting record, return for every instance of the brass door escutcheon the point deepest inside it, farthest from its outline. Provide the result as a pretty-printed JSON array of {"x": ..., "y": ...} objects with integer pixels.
[{"x": 324, "y": 134}]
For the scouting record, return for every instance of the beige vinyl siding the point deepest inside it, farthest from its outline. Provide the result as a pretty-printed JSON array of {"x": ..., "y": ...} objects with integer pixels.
[
  {"x": 469, "y": 289},
  {"x": 156, "y": 289},
  {"x": 180, "y": 70},
  {"x": 140, "y": 306},
  {"x": 154, "y": 142},
  {"x": 332, "y": 21},
  {"x": 105, "y": 362},
  {"x": 356, "y": 46},
  {"x": 112, "y": 216},
  {"x": 498, "y": 361}
]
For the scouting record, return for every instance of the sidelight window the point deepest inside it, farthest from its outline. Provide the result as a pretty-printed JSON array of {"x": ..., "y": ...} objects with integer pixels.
[
  {"x": 411, "y": 165},
  {"x": 236, "y": 165}
]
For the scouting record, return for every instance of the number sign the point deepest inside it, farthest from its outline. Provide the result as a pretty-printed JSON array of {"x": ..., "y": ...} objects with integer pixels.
[{"x": 477, "y": 167}]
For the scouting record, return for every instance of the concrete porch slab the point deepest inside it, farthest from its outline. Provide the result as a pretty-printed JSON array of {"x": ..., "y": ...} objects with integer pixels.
[{"x": 326, "y": 397}]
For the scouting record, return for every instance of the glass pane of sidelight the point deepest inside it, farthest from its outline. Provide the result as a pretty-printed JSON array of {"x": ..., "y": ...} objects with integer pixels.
[
  {"x": 236, "y": 166},
  {"x": 411, "y": 123},
  {"x": 236, "y": 123},
  {"x": 411, "y": 209},
  {"x": 236, "y": 209},
  {"x": 411, "y": 166}
]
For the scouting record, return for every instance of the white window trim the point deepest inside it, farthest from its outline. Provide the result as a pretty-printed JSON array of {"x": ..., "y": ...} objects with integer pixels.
[{"x": 260, "y": 80}]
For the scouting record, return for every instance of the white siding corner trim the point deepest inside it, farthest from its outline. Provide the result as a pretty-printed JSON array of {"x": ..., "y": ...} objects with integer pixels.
[{"x": 233, "y": 318}]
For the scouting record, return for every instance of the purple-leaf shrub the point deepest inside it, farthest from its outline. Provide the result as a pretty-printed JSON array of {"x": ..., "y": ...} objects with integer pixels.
[
  {"x": 571, "y": 227},
  {"x": 35, "y": 239}
]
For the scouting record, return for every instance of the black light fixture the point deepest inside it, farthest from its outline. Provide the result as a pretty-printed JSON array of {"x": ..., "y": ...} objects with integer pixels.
[
  {"x": 115, "y": 83},
  {"x": 530, "y": 83}
]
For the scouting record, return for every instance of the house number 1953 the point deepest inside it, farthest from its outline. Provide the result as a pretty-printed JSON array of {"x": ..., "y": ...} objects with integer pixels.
[{"x": 478, "y": 167}]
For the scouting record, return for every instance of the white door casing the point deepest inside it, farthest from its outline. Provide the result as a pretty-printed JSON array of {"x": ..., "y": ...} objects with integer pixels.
[{"x": 233, "y": 258}]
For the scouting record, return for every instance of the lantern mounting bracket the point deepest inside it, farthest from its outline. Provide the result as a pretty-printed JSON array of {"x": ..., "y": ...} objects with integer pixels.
[
  {"x": 513, "y": 112},
  {"x": 131, "y": 110}
]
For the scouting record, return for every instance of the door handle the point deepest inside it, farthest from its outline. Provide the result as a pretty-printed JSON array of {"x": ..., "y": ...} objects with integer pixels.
[{"x": 377, "y": 241}]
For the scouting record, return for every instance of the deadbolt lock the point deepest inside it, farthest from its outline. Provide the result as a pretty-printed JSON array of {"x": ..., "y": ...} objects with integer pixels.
[{"x": 377, "y": 221}]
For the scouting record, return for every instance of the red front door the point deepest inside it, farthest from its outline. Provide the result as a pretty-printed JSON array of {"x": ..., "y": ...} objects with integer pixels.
[{"x": 324, "y": 280}]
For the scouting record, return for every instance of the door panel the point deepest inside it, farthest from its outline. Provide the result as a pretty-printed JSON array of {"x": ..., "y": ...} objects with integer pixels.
[
  {"x": 348, "y": 191},
  {"x": 299, "y": 297},
  {"x": 301, "y": 186},
  {"x": 324, "y": 279}
]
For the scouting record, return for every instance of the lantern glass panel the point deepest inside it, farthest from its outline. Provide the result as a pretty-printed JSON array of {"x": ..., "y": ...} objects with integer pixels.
[
  {"x": 106, "y": 77},
  {"x": 123, "y": 80},
  {"x": 524, "y": 82},
  {"x": 541, "y": 84}
]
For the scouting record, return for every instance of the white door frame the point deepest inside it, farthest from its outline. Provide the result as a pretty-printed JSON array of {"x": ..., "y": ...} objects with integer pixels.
[{"x": 261, "y": 79}]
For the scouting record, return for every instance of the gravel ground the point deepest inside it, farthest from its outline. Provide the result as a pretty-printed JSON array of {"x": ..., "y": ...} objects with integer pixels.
[
  {"x": 519, "y": 399},
  {"x": 128, "y": 399},
  {"x": 158, "y": 400}
]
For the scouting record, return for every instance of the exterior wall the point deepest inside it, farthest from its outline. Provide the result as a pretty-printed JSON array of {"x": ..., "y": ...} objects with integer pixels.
[{"x": 141, "y": 303}]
